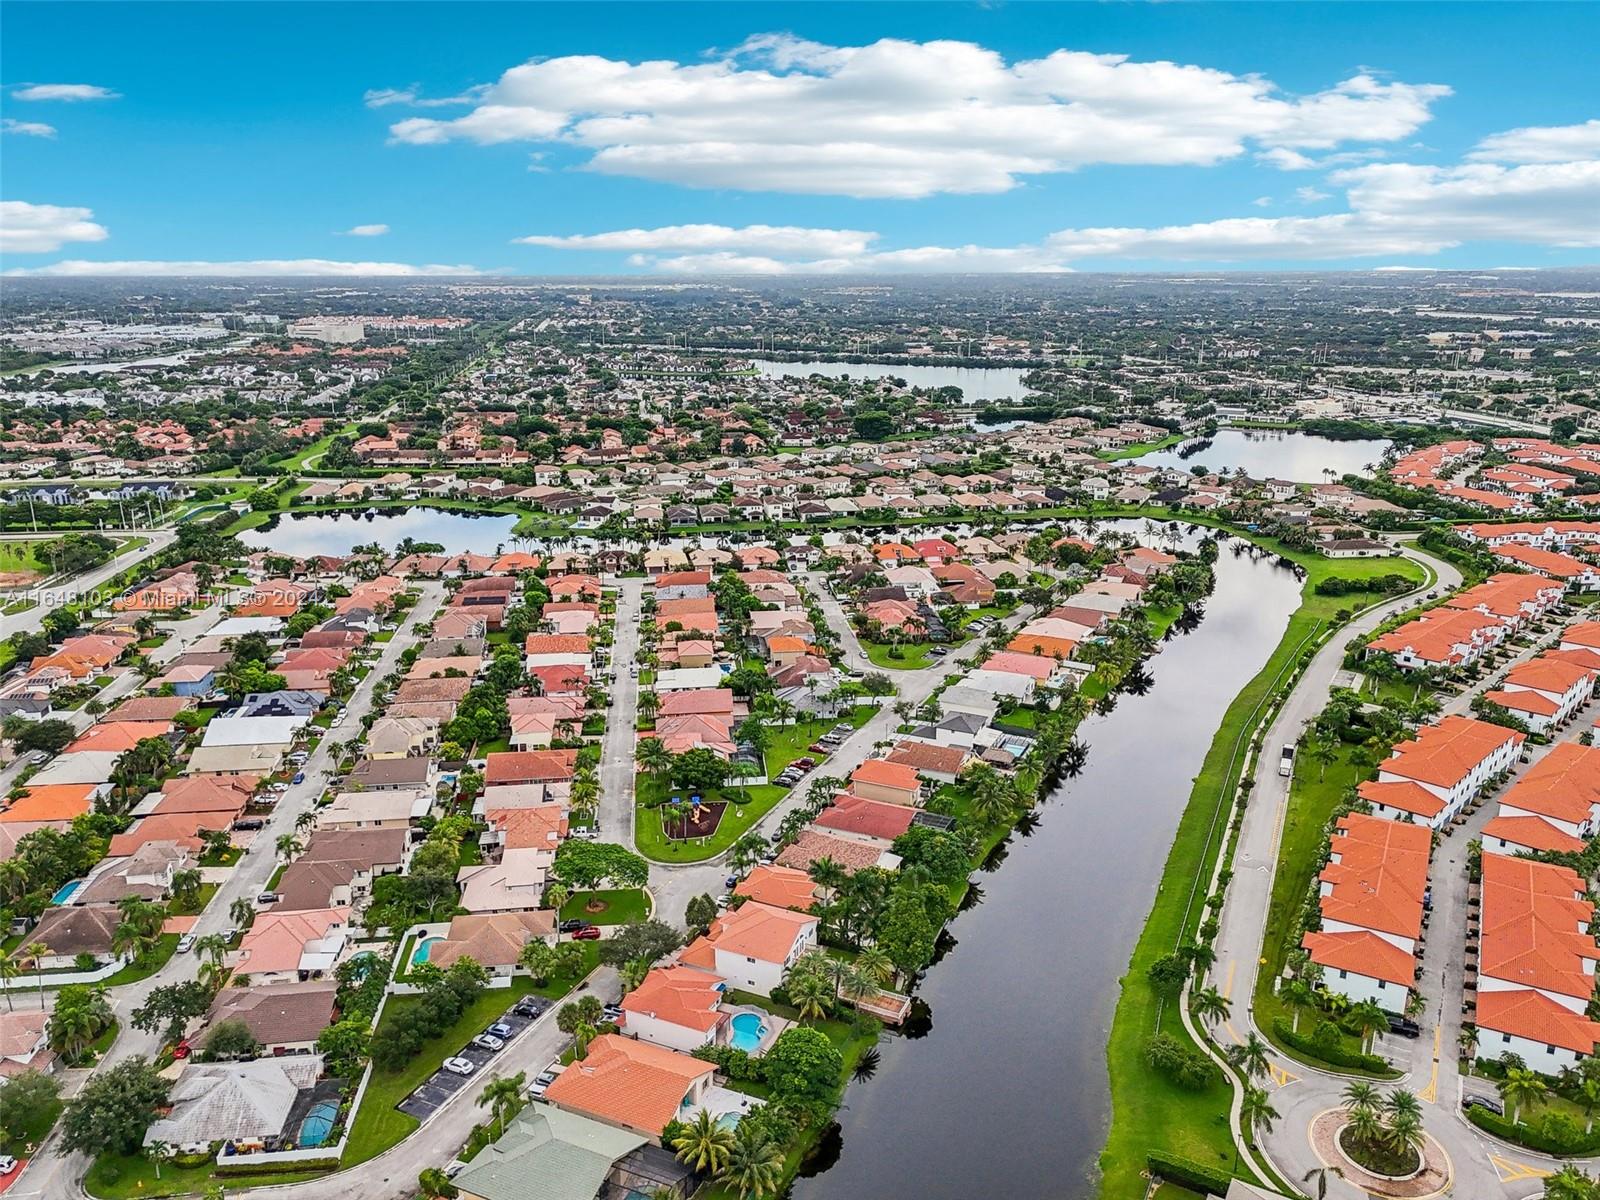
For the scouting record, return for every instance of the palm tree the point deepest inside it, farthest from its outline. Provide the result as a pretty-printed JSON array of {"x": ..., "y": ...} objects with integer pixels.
[
  {"x": 288, "y": 845},
  {"x": 877, "y": 964},
  {"x": 241, "y": 911},
  {"x": 704, "y": 1144},
  {"x": 633, "y": 972},
  {"x": 556, "y": 896},
  {"x": 827, "y": 874},
  {"x": 436, "y": 1185},
  {"x": 10, "y": 968},
  {"x": 1297, "y": 994},
  {"x": 1320, "y": 1174},
  {"x": 1589, "y": 1099},
  {"x": 501, "y": 1097},
  {"x": 1520, "y": 1089},
  {"x": 1370, "y": 1020},
  {"x": 1467, "y": 1040},
  {"x": 35, "y": 953},
  {"x": 1256, "y": 1111},
  {"x": 1360, "y": 1096},
  {"x": 1211, "y": 1005},
  {"x": 810, "y": 992},
  {"x": 1250, "y": 1057},
  {"x": 186, "y": 887},
  {"x": 71, "y": 1029},
  {"x": 1366, "y": 1126},
  {"x": 755, "y": 1163}
]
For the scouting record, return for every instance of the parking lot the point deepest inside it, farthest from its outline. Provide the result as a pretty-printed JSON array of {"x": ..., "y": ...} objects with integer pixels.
[{"x": 442, "y": 1084}]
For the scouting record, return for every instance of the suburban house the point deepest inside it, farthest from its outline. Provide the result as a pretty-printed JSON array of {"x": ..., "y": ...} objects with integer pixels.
[
  {"x": 570, "y": 1156},
  {"x": 856, "y": 818},
  {"x": 286, "y": 947},
  {"x": 1371, "y": 900},
  {"x": 286, "y": 1018},
  {"x": 676, "y": 1006},
  {"x": 233, "y": 1101},
  {"x": 1545, "y": 691},
  {"x": 495, "y": 941},
  {"x": 633, "y": 1085},
  {"x": 1555, "y": 806},
  {"x": 393, "y": 808},
  {"x": 753, "y": 946},
  {"x": 891, "y": 782},
  {"x": 1536, "y": 964},
  {"x": 781, "y": 887},
  {"x": 513, "y": 884},
  {"x": 1431, "y": 777}
]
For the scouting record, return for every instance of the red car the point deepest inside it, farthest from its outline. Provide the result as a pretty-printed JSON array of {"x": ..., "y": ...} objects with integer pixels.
[
  {"x": 590, "y": 934},
  {"x": 182, "y": 1049}
]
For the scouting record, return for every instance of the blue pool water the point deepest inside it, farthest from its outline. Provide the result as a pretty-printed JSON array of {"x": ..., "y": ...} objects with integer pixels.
[
  {"x": 420, "y": 954},
  {"x": 728, "y": 1120},
  {"x": 314, "y": 1129},
  {"x": 64, "y": 892},
  {"x": 747, "y": 1033}
]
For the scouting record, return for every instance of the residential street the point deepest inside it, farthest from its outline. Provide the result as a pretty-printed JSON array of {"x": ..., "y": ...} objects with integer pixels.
[
  {"x": 70, "y": 590},
  {"x": 616, "y": 754},
  {"x": 1483, "y": 1168}
]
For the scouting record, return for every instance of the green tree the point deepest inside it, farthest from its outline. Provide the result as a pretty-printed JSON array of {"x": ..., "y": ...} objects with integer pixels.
[
  {"x": 112, "y": 1112},
  {"x": 586, "y": 865},
  {"x": 755, "y": 1162},
  {"x": 802, "y": 1066},
  {"x": 231, "y": 1039},
  {"x": 172, "y": 1006},
  {"x": 436, "y": 1185},
  {"x": 704, "y": 1144},
  {"x": 502, "y": 1097},
  {"x": 585, "y": 1010},
  {"x": 699, "y": 913},
  {"x": 650, "y": 940},
  {"x": 1521, "y": 1089}
]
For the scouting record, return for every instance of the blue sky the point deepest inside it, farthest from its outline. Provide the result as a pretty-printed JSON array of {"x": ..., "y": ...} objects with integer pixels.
[{"x": 819, "y": 138}]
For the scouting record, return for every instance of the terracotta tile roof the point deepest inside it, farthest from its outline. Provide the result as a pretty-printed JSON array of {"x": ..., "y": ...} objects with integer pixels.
[
  {"x": 782, "y": 887},
  {"x": 869, "y": 818},
  {"x": 882, "y": 773},
  {"x": 538, "y": 766},
  {"x": 633, "y": 1084},
  {"x": 1043, "y": 645},
  {"x": 556, "y": 643},
  {"x": 925, "y": 757},
  {"x": 116, "y": 736},
  {"x": 1534, "y": 833},
  {"x": 1403, "y": 796},
  {"x": 761, "y": 931},
  {"x": 1034, "y": 666},
  {"x": 1584, "y": 633},
  {"x": 1380, "y": 875},
  {"x": 1445, "y": 752},
  {"x": 1361, "y": 952},
  {"x": 1533, "y": 927},
  {"x": 711, "y": 701},
  {"x": 492, "y": 939},
  {"x": 812, "y": 845},
  {"x": 1522, "y": 1012},
  {"x": 540, "y": 827},
  {"x": 1564, "y": 784},
  {"x": 678, "y": 995},
  {"x": 207, "y": 793},
  {"x": 51, "y": 802}
]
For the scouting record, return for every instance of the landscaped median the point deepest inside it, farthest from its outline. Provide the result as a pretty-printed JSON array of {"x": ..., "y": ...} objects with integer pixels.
[{"x": 1151, "y": 1112}]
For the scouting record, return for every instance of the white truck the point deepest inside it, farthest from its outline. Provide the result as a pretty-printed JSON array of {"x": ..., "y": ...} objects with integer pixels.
[{"x": 1286, "y": 761}]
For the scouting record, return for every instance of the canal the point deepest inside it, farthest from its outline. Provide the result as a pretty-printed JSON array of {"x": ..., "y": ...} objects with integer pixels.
[{"x": 1006, "y": 1093}]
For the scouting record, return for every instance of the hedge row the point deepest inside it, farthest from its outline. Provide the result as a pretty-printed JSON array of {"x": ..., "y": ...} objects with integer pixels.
[
  {"x": 1334, "y": 1055},
  {"x": 1189, "y": 1173},
  {"x": 246, "y": 1167},
  {"x": 1564, "y": 1139}
]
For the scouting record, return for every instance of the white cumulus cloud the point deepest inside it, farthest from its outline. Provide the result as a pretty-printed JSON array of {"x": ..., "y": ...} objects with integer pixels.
[
  {"x": 247, "y": 269},
  {"x": 27, "y": 128},
  {"x": 366, "y": 231},
  {"x": 39, "y": 228},
  {"x": 772, "y": 239},
  {"x": 63, "y": 91},
  {"x": 908, "y": 119},
  {"x": 1540, "y": 144}
]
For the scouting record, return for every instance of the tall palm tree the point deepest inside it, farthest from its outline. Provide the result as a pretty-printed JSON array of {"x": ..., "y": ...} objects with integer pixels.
[
  {"x": 704, "y": 1144},
  {"x": 1588, "y": 1099},
  {"x": 71, "y": 1029},
  {"x": 1250, "y": 1057},
  {"x": 810, "y": 992},
  {"x": 755, "y": 1163},
  {"x": 34, "y": 953},
  {"x": 501, "y": 1097},
  {"x": 241, "y": 910},
  {"x": 1360, "y": 1096},
  {"x": 10, "y": 968},
  {"x": 1297, "y": 994},
  {"x": 1210, "y": 1005},
  {"x": 1256, "y": 1111},
  {"x": 1370, "y": 1020},
  {"x": 1520, "y": 1089},
  {"x": 877, "y": 964}
]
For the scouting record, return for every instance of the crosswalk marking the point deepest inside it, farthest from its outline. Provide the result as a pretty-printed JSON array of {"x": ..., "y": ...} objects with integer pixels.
[
  {"x": 1280, "y": 1077},
  {"x": 1510, "y": 1170},
  {"x": 1431, "y": 1093}
]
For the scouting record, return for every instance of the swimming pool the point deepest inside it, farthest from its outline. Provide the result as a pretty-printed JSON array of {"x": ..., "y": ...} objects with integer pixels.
[
  {"x": 748, "y": 1030},
  {"x": 65, "y": 891},
  {"x": 420, "y": 954},
  {"x": 314, "y": 1128},
  {"x": 729, "y": 1120}
]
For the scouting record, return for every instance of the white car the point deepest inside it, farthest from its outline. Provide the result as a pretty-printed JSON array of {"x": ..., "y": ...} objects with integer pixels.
[
  {"x": 460, "y": 1066},
  {"x": 7, "y": 1165},
  {"x": 488, "y": 1041}
]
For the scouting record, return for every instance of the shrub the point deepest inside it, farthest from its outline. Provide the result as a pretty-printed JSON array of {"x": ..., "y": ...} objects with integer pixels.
[
  {"x": 1188, "y": 1173},
  {"x": 1554, "y": 1133},
  {"x": 1328, "y": 1049},
  {"x": 246, "y": 1167},
  {"x": 1187, "y": 1068}
]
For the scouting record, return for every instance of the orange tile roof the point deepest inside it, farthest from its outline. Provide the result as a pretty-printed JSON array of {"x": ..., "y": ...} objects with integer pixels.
[
  {"x": 1564, "y": 784},
  {"x": 760, "y": 931},
  {"x": 1584, "y": 633},
  {"x": 925, "y": 756},
  {"x": 1043, "y": 645},
  {"x": 556, "y": 643},
  {"x": 1380, "y": 876},
  {"x": 117, "y": 736},
  {"x": 634, "y": 1084},
  {"x": 1404, "y": 796},
  {"x": 882, "y": 773},
  {"x": 1546, "y": 674},
  {"x": 1533, "y": 927},
  {"x": 868, "y": 818},
  {"x": 51, "y": 802},
  {"x": 1445, "y": 752},
  {"x": 1362, "y": 952},
  {"x": 1522, "y": 1012},
  {"x": 541, "y": 766},
  {"x": 781, "y": 887},
  {"x": 678, "y": 995},
  {"x": 1535, "y": 833},
  {"x": 540, "y": 827}
]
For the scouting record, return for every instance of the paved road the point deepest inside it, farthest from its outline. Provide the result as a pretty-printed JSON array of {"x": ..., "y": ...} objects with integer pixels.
[
  {"x": 55, "y": 1175},
  {"x": 71, "y": 590},
  {"x": 616, "y": 753},
  {"x": 1299, "y": 1093}
]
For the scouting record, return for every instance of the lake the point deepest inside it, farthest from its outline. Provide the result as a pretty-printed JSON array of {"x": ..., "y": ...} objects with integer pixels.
[
  {"x": 977, "y": 384},
  {"x": 1007, "y": 1093},
  {"x": 1273, "y": 454},
  {"x": 336, "y": 532}
]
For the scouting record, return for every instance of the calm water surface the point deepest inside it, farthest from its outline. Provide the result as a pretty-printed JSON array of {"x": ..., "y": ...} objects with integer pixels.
[
  {"x": 1273, "y": 454},
  {"x": 337, "y": 532},
  {"x": 976, "y": 383},
  {"x": 1007, "y": 1095}
]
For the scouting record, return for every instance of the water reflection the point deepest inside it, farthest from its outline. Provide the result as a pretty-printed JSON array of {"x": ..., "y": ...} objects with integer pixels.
[{"x": 1272, "y": 454}]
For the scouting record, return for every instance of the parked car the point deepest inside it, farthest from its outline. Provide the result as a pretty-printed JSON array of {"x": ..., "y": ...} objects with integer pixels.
[
  {"x": 590, "y": 933},
  {"x": 731, "y": 882},
  {"x": 182, "y": 1049},
  {"x": 540, "y": 1082},
  {"x": 268, "y": 898},
  {"x": 1488, "y": 1103},
  {"x": 500, "y": 1030},
  {"x": 573, "y": 924},
  {"x": 249, "y": 823},
  {"x": 612, "y": 1012},
  {"x": 530, "y": 1007},
  {"x": 7, "y": 1164},
  {"x": 487, "y": 1041},
  {"x": 186, "y": 943},
  {"x": 299, "y": 777},
  {"x": 1404, "y": 1026},
  {"x": 39, "y": 757},
  {"x": 460, "y": 1066}
]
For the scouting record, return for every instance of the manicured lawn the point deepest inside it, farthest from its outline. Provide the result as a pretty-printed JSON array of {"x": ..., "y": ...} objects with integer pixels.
[
  {"x": 379, "y": 1125},
  {"x": 19, "y": 1142},
  {"x": 623, "y": 906},
  {"x": 1148, "y": 1111},
  {"x": 149, "y": 965},
  {"x": 913, "y": 656},
  {"x": 1139, "y": 448},
  {"x": 135, "y": 1175}
]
